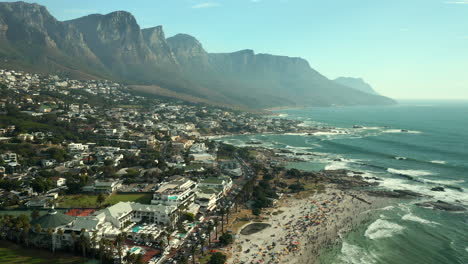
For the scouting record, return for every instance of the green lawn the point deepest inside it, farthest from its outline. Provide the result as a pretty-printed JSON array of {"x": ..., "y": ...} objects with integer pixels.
[
  {"x": 15, "y": 254},
  {"x": 79, "y": 201},
  {"x": 144, "y": 198},
  {"x": 90, "y": 201}
]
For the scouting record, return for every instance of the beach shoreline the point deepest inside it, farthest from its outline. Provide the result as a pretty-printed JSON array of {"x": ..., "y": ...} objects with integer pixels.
[{"x": 301, "y": 227}]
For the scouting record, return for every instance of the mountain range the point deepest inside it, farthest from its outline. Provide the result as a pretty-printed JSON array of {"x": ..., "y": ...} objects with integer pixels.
[{"x": 113, "y": 46}]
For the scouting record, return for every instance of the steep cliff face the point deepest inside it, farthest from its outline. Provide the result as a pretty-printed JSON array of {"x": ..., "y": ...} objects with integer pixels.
[
  {"x": 116, "y": 39},
  {"x": 155, "y": 39},
  {"x": 189, "y": 52},
  {"x": 113, "y": 46},
  {"x": 31, "y": 35}
]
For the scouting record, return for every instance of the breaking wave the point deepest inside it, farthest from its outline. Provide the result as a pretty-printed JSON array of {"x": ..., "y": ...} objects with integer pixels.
[
  {"x": 411, "y": 173},
  {"x": 382, "y": 229}
]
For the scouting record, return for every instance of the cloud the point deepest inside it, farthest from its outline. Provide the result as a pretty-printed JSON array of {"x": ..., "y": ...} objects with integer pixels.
[
  {"x": 458, "y": 2},
  {"x": 206, "y": 5}
]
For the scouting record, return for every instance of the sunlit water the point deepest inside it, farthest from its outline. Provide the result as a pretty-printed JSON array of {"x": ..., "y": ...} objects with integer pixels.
[{"x": 425, "y": 141}]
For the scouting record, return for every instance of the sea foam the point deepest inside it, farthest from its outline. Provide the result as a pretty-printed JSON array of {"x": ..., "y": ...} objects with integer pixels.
[
  {"x": 412, "y": 173},
  {"x": 382, "y": 229},
  {"x": 413, "y": 218},
  {"x": 438, "y": 162},
  {"x": 354, "y": 254}
]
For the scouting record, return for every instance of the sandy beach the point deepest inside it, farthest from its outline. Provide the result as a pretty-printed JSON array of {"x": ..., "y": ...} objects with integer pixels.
[{"x": 300, "y": 228}]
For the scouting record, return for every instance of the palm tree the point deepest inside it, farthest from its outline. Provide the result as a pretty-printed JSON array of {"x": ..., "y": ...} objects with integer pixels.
[
  {"x": 222, "y": 212},
  {"x": 94, "y": 242},
  {"x": 120, "y": 239},
  {"x": 227, "y": 215},
  {"x": 143, "y": 237},
  {"x": 109, "y": 250},
  {"x": 102, "y": 249},
  {"x": 193, "y": 250},
  {"x": 25, "y": 234},
  {"x": 74, "y": 239},
  {"x": 216, "y": 224},
  {"x": 202, "y": 244},
  {"x": 83, "y": 241},
  {"x": 60, "y": 234},
  {"x": 209, "y": 229},
  {"x": 50, "y": 233},
  {"x": 128, "y": 257}
]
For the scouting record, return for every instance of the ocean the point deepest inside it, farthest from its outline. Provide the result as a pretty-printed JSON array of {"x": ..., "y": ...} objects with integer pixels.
[{"x": 416, "y": 146}]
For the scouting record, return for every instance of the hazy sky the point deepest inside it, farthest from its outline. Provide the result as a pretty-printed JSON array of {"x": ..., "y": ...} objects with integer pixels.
[{"x": 403, "y": 48}]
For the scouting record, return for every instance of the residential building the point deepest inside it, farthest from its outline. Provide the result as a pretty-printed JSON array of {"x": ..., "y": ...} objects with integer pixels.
[
  {"x": 221, "y": 182},
  {"x": 177, "y": 192},
  {"x": 122, "y": 212}
]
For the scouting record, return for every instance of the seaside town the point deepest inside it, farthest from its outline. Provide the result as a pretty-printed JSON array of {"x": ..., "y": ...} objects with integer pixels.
[
  {"x": 94, "y": 169},
  {"x": 95, "y": 172}
]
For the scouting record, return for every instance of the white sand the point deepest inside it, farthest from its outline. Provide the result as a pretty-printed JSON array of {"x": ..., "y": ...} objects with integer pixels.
[{"x": 304, "y": 227}]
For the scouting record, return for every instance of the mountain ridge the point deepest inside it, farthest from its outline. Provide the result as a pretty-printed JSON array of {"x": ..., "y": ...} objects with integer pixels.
[
  {"x": 113, "y": 46},
  {"x": 356, "y": 83}
]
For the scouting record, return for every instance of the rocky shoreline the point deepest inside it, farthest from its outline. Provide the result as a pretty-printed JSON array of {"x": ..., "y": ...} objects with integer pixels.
[{"x": 301, "y": 227}]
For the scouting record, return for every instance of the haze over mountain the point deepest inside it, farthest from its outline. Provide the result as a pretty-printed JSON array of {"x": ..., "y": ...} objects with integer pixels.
[
  {"x": 114, "y": 46},
  {"x": 356, "y": 83}
]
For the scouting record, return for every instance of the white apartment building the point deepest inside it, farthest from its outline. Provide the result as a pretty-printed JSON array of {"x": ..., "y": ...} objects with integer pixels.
[
  {"x": 122, "y": 212},
  {"x": 178, "y": 192},
  {"x": 77, "y": 147}
]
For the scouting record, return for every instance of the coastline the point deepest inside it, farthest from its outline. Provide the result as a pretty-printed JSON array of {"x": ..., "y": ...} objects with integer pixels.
[{"x": 301, "y": 227}]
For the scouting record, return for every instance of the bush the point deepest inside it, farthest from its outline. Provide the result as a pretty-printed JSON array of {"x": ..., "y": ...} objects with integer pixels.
[
  {"x": 226, "y": 239},
  {"x": 256, "y": 211},
  {"x": 217, "y": 258},
  {"x": 296, "y": 187}
]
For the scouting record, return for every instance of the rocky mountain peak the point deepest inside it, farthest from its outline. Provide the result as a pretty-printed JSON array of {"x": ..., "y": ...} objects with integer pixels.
[
  {"x": 186, "y": 42},
  {"x": 188, "y": 50},
  {"x": 113, "y": 45},
  {"x": 155, "y": 39},
  {"x": 154, "y": 35}
]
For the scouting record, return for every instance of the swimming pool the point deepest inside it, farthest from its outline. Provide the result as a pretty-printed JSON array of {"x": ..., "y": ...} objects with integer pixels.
[
  {"x": 135, "y": 249},
  {"x": 136, "y": 229}
]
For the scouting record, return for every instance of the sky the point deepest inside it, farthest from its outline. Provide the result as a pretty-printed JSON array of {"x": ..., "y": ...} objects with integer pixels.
[{"x": 406, "y": 49}]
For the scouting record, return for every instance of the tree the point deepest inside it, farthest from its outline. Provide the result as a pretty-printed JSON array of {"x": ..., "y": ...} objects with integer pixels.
[
  {"x": 193, "y": 250},
  {"x": 256, "y": 211},
  {"x": 94, "y": 242},
  {"x": 209, "y": 229},
  {"x": 50, "y": 233},
  {"x": 60, "y": 233},
  {"x": 100, "y": 199},
  {"x": 38, "y": 228},
  {"x": 226, "y": 239},
  {"x": 34, "y": 214},
  {"x": 216, "y": 224},
  {"x": 120, "y": 239},
  {"x": 84, "y": 241},
  {"x": 189, "y": 217},
  {"x": 222, "y": 212},
  {"x": 139, "y": 259},
  {"x": 217, "y": 258}
]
